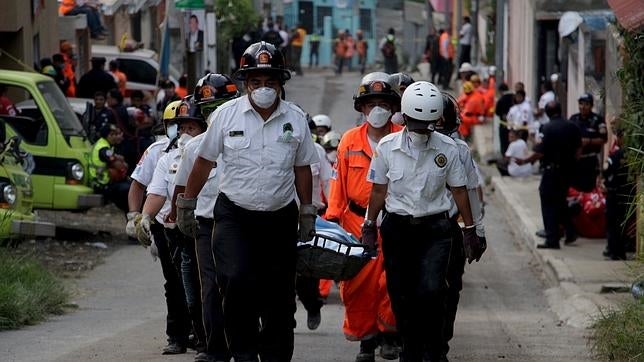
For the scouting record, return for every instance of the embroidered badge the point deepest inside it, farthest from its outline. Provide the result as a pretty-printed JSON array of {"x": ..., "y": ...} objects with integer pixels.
[
  {"x": 287, "y": 133},
  {"x": 441, "y": 160}
]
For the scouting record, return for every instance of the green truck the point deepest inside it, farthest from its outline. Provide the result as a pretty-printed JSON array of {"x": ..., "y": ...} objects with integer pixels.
[
  {"x": 33, "y": 108},
  {"x": 17, "y": 219}
]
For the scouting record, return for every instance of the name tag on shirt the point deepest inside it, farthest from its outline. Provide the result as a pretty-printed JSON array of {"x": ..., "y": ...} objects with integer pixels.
[{"x": 236, "y": 133}]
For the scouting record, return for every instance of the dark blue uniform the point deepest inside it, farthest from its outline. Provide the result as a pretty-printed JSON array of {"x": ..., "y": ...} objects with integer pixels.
[
  {"x": 587, "y": 167},
  {"x": 559, "y": 145}
]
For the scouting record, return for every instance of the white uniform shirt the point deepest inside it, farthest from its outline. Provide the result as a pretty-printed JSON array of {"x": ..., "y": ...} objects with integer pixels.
[
  {"x": 208, "y": 194},
  {"x": 520, "y": 115},
  {"x": 518, "y": 149},
  {"x": 545, "y": 98},
  {"x": 473, "y": 181},
  {"x": 417, "y": 186},
  {"x": 321, "y": 172},
  {"x": 259, "y": 155},
  {"x": 163, "y": 181},
  {"x": 148, "y": 162},
  {"x": 466, "y": 34}
]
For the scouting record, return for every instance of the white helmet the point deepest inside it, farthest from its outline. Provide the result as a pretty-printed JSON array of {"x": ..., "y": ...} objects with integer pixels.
[
  {"x": 466, "y": 67},
  {"x": 331, "y": 139},
  {"x": 322, "y": 120},
  {"x": 422, "y": 101}
]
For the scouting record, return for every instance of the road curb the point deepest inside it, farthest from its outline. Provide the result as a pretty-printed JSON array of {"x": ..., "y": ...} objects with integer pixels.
[{"x": 573, "y": 305}]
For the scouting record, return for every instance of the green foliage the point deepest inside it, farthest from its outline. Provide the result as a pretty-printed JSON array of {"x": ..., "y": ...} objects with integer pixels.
[
  {"x": 28, "y": 292},
  {"x": 235, "y": 18},
  {"x": 618, "y": 335}
]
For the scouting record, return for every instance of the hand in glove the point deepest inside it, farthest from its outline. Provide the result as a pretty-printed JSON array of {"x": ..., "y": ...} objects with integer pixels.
[
  {"x": 133, "y": 218},
  {"x": 471, "y": 245},
  {"x": 143, "y": 232},
  {"x": 307, "y": 222},
  {"x": 370, "y": 236},
  {"x": 186, "y": 216},
  {"x": 480, "y": 232}
]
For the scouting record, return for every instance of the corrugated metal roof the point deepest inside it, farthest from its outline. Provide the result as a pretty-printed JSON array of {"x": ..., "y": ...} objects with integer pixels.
[{"x": 630, "y": 13}]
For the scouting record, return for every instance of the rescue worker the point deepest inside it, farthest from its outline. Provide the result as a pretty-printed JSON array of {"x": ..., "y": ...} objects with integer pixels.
[
  {"x": 593, "y": 138},
  {"x": 448, "y": 125},
  {"x": 108, "y": 171},
  {"x": 472, "y": 106},
  {"x": 368, "y": 317},
  {"x": 323, "y": 124},
  {"x": 177, "y": 319},
  {"x": 400, "y": 82},
  {"x": 211, "y": 91},
  {"x": 415, "y": 231},
  {"x": 158, "y": 206},
  {"x": 267, "y": 152}
]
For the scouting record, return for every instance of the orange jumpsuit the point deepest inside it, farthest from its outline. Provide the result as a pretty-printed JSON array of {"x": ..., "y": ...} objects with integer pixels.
[
  {"x": 367, "y": 306},
  {"x": 68, "y": 71},
  {"x": 472, "y": 106},
  {"x": 490, "y": 95}
]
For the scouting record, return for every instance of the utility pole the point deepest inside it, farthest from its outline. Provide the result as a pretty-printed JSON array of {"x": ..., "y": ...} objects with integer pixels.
[
  {"x": 474, "y": 41},
  {"x": 499, "y": 34}
]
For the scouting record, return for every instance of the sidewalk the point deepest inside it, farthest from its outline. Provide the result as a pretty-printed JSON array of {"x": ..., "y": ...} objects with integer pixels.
[{"x": 580, "y": 281}]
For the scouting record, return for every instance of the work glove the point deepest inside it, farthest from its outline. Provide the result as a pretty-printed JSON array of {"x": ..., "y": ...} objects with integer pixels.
[
  {"x": 186, "y": 216},
  {"x": 133, "y": 218},
  {"x": 154, "y": 251},
  {"x": 370, "y": 237},
  {"x": 480, "y": 232},
  {"x": 143, "y": 232},
  {"x": 307, "y": 222},
  {"x": 471, "y": 245}
]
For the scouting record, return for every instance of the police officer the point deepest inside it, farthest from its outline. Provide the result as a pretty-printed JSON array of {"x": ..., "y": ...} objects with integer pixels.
[
  {"x": 593, "y": 138},
  {"x": 557, "y": 152},
  {"x": 210, "y": 92},
  {"x": 267, "y": 152},
  {"x": 410, "y": 171},
  {"x": 177, "y": 320},
  {"x": 448, "y": 125},
  {"x": 368, "y": 317},
  {"x": 108, "y": 171},
  {"x": 158, "y": 205}
]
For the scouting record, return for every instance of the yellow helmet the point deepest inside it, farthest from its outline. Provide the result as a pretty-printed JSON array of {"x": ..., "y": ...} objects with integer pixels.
[
  {"x": 171, "y": 110},
  {"x": 468, "y": 87}
]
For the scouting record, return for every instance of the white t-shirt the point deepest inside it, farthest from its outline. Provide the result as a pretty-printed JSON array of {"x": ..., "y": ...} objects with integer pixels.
[
  {"x": 545, "y": 98},
  {"x": 518, "y": 149},
  {"x": 466, "y": 34}
]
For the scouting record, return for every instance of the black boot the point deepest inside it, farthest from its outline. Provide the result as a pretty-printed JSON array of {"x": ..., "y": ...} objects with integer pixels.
[
  {"x": 367, "y": 350},
  {"x": 388, "y": 347}
]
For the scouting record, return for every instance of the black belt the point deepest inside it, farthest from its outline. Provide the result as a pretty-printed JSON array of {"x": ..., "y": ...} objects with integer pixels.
[
  {"x": 427, "y": 219},
  {"x": 357, "y": 209},
  {"x": 205, "y": 220}
]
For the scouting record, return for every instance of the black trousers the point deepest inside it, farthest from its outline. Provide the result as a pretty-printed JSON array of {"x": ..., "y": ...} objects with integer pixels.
[
  {"x": 416, "y": 259},
  {"x": 308, "y": 290},
  {"x": 213, "y": 315},
  {"x": 455, "y": 271},
  {"x": 553, "y": 190},
  {"x": 464, "y": 57},
  {"x": 178, "y": 319},
  {"x": 617, "y": 202},
  {"x": 255, "y": 253}
]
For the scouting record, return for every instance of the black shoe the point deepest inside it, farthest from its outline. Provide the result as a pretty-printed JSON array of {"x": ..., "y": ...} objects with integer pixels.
[
  {"x": 389, "y": 351},
  {"x": 548, "y": 246},
  {"x": 606, "y": 253},
  {"x": 367, "y": 350},
  {"x": 541, "y": 233},
  {"x": 174, "y": 348},
  {"x": 204, "y": 357},
  {"x": 313, "y": 320},
  {"x": 366, "y": 357},
  {"x": 570, "y": 239}
]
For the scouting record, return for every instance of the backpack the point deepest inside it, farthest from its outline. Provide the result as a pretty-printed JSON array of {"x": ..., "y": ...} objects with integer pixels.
[{"x": 389, "y": 49}]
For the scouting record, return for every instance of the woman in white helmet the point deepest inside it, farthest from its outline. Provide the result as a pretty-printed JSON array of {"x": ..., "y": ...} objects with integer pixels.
[{"x": 415, "y": 231}]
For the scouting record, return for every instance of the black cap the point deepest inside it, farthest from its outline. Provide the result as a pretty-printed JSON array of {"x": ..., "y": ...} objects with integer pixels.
[{"x": 586, "y": 97}]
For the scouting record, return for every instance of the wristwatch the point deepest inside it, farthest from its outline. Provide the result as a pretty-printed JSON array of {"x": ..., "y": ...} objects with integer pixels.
[{"x": 369, "y": 223}]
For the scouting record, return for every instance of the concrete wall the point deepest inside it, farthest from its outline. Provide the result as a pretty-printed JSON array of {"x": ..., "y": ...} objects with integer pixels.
[
  {"x": 521, "y": 45},
  {"x": 26, "y": 36}
]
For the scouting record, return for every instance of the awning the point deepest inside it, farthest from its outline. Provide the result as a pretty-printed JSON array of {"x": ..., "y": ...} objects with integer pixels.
[
  {"x": 112, "y": 6},
  {"x": 629, "y": 13}
]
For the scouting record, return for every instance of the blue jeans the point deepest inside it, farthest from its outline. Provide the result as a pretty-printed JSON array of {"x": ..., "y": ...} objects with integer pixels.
[{"x": 93, "y": 18}]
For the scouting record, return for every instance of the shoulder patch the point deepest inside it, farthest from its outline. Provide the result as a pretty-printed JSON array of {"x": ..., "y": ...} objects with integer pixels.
[{"x": 441, "y": 160}]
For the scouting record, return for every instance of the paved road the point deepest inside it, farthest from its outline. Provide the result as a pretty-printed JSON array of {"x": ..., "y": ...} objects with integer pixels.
[{"x": 503, "y": 316}]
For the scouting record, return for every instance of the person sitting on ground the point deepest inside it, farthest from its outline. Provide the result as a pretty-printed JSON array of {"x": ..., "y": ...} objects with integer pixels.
[
  {"x": 90, "y": 9},
  {"x": 518, "y": 148},
  {"x": 108, "y": 170}
]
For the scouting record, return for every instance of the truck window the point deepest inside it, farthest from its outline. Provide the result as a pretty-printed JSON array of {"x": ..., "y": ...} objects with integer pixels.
[
  {"x": 138, "y": 71},
  {"x": 23, "y": 115},
  {"x": 65, "y": 117}
]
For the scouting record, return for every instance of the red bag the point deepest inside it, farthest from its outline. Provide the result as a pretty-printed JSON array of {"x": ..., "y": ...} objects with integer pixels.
[{"x": 590, "y": 222}]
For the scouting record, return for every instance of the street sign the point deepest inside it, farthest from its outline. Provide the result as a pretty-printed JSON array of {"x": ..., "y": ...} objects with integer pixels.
[{"x": 190, "y": 4}]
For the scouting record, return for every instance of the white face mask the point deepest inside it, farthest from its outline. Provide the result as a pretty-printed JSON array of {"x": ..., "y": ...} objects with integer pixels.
[
  {"x": 418, "y": 139},
  {"x": 264, "y": 97},
  {"x": 397, "y": 118},
  {"x": 183, "y": 140},
  {"x": 332, "y": 156},
  {"x": 378, "y": 117},
  {"x": 172, "y": 131}
]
